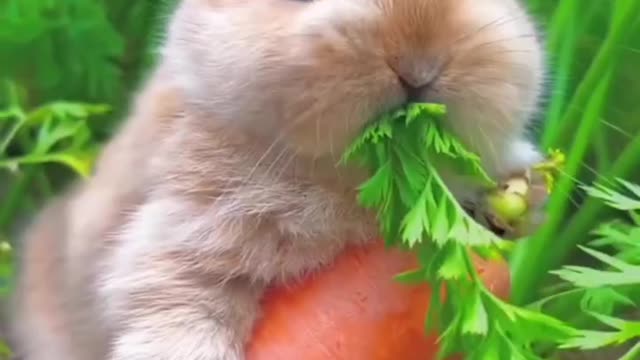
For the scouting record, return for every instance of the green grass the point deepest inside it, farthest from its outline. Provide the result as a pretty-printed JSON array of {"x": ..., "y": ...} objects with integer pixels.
[
  {"x": 593, "y": 81},
  {"x": 58, "y": 56}
]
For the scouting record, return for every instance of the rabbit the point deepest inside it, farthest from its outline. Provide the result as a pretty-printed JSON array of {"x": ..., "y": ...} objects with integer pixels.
[{"x": 223, "y": 180}]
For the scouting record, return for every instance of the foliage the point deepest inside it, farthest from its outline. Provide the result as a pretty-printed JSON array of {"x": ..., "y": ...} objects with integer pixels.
[
  {"x": 61, "y": 55},
  {"x": 592, "y": 116},
  {"x": 30, "y": 140},
  {"x": 615, "y": 282},
  {"x": 55, "y": 133},
  {"x": 86, "y": 50},
  {"x": 404, "y": 150},
  {"x": 57, "y": 59},
  {"x": 69, "y": 52}
]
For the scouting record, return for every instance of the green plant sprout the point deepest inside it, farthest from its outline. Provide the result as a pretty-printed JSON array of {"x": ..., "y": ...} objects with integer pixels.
[
  {"x": 551, "y": 167},
  {"x": 416, "y": 211},
  {"x": 57, "y": 132}
]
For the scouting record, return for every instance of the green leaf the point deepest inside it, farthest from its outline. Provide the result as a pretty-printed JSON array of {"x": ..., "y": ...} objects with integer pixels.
[
  {"x": 612, "y": 198},
  {"x": 635, "y": 189},
  {"x": 604, "y": 300},
  {"x": 528, "y": 325},
  {"x": 611, "y": 321},
  {"x": 610, "y": 260},
  {"x": 416, "y": 222},
  {"x": 585, "y": 277},
  {"x": 50, "y": 133},
  {"x": 80, "y": 162},
  {"x": 454, "y": 265},
  {"x": 412, "y": 277},
  {"x": 406, "y": 151},
  {"x": 373, "y": 192},
  {"x": 615, "y": 234},
  {"x": 373, "y": 134},
  {"x": 475, "y": 319},
  {"x": 5, "y": 350},
  {"x": 440, "y": 230},
  {"x": 450, "y": 338},
  {"x": 589, "y": 340},
  {"x": 435, "y": 316},
  {"x": 491, "y": 348}
]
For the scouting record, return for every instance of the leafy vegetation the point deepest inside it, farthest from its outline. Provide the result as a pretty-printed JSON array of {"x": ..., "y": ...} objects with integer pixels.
[
  {"x": 61, "y": 60},
  {"x": 614, "y": 282},
  {"x": 593, "y": 117},
  {"x": 416, "y": 210},
  {"x": 406, "y": 150}
]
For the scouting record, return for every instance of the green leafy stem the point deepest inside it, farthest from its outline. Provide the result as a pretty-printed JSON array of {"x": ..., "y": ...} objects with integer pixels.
[{"x": 406, "y": 150}]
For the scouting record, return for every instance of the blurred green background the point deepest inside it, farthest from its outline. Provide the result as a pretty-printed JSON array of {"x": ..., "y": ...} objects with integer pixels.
[{"x": 68, "y": 69}]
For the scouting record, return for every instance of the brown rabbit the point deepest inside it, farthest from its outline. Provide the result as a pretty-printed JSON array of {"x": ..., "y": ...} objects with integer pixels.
[{"x": 224, "y": 178}]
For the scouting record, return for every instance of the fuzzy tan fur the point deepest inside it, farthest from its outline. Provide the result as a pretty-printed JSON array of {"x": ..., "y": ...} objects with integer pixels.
[{"x": 224, "y": 178}]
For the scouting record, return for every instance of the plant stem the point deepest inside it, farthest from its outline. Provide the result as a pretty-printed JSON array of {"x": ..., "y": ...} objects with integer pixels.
[
  {"x": 633, "y": 354},
  {"x": 583, "y": 111},
  {"x": 20, "y": 121},
  {"x": 601, "y": 151},
  {"x": 561, "y": 43},
  {"x": 563, "y": 39},
  {"x": 527, "y": 257},
  {"x": 12, "y": 203},
  {"x": 562, "y": 20},
  {"x": 37, "y": 174},
  {"x": 558, "y": 102},
  {"x": 578, "y": 228},
  {"x": 588, "y": 213},
  {"x": 625, "y": 14}
]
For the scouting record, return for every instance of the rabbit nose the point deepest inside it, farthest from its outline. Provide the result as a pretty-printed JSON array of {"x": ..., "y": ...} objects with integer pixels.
[
  {"x": 413, "y": 93},
  {"x": 414, "y": 77}
]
